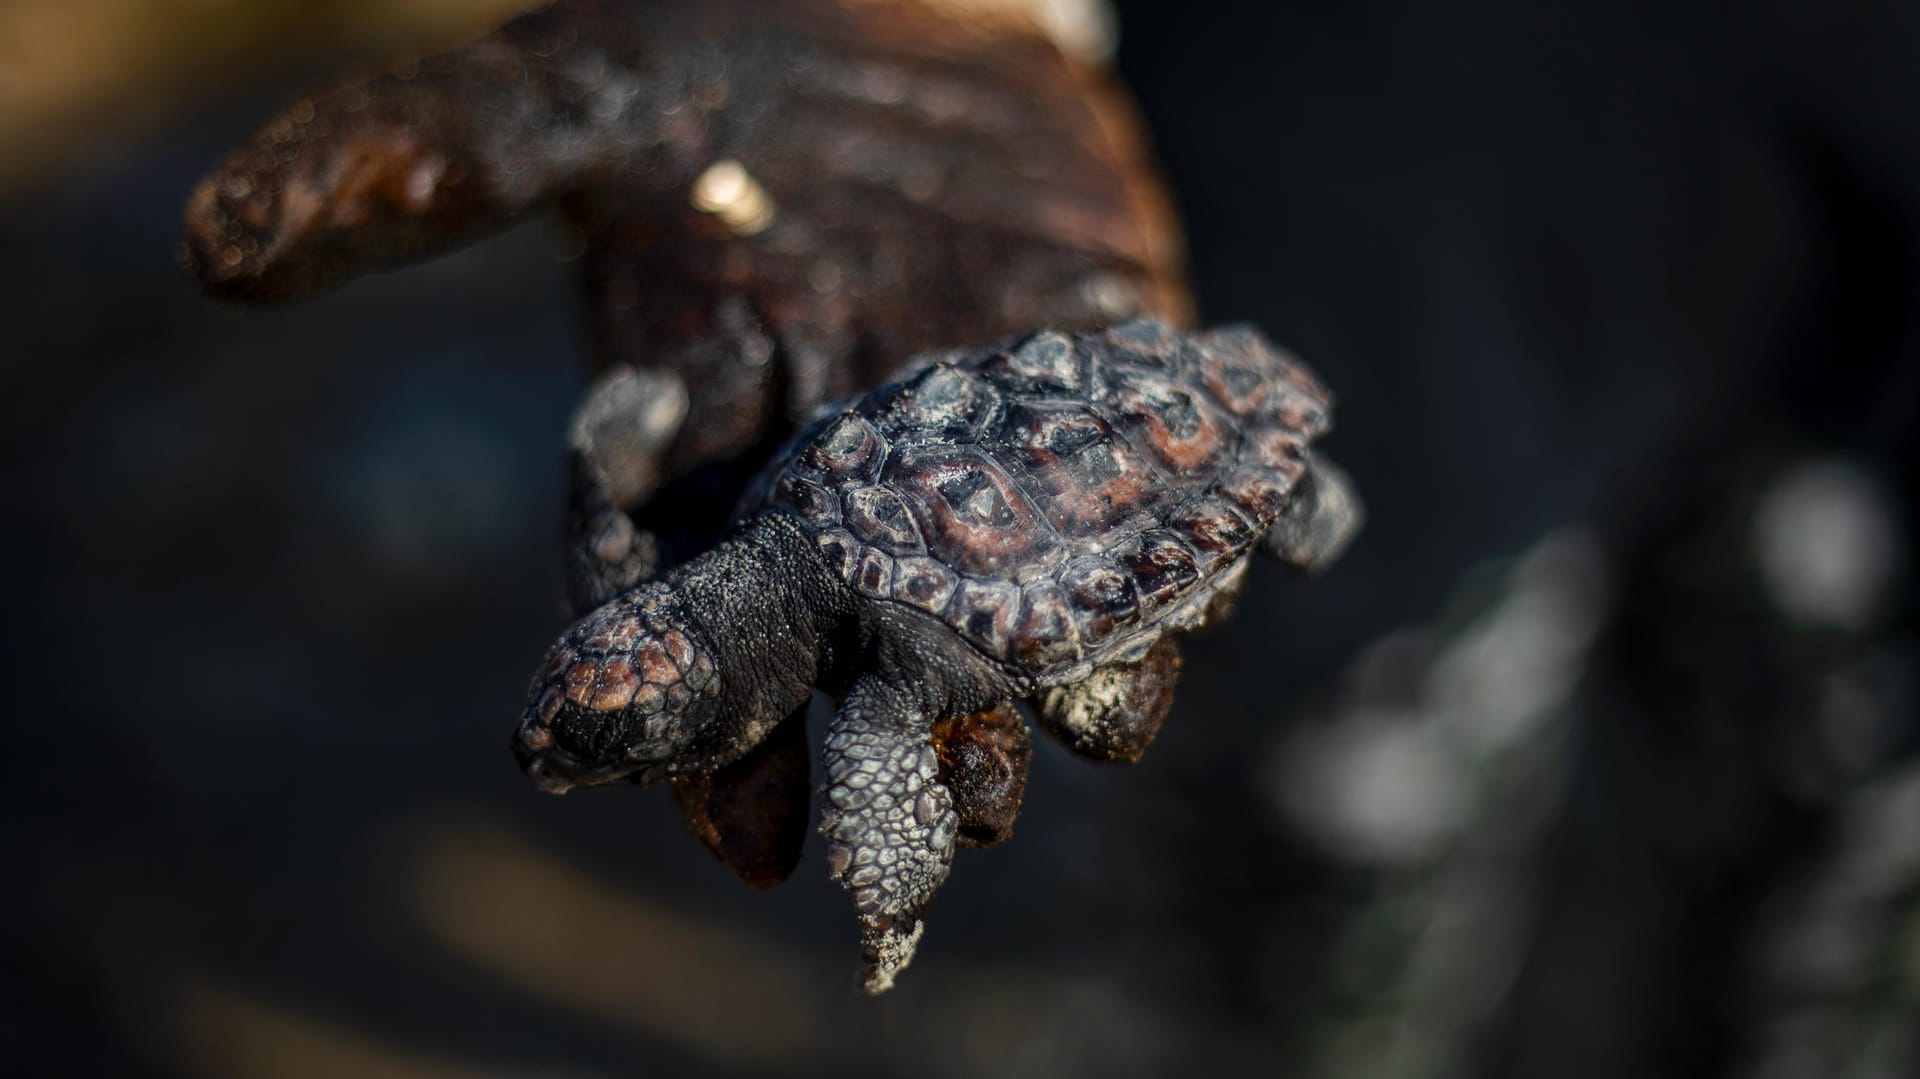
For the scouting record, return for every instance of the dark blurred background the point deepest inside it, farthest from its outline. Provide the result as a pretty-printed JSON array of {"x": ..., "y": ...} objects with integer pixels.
[{"x": 1597, "y": 756}]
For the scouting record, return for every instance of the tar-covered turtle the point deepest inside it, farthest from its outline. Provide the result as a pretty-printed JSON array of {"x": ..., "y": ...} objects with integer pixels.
[{"x": 1029, "y": 523}]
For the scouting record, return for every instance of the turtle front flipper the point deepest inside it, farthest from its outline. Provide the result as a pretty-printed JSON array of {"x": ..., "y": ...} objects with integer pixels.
[
  {"x": 615, "y": 449},
  {"x": 1322, "y": 516},
  {"x": 752, "y": 813},
  {"x": 1115, "y": 713},
  {"x": 890, "y": 824}
]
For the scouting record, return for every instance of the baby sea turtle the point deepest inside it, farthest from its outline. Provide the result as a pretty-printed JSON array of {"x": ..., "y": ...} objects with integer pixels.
[{"x": 1021, "y": 524}]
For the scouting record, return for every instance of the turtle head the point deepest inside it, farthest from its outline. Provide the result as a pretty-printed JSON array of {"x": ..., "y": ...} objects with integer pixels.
[{"x": 628, "y": 690}]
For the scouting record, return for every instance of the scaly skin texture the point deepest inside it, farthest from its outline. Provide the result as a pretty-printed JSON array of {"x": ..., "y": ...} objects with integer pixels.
[
  {"x": 1030, "y": 522},
  {"x": 908, "y": 175}
]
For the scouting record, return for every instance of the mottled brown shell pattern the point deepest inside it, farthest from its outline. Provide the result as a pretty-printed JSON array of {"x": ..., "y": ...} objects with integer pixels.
[{"x": 1056, "y": 501}]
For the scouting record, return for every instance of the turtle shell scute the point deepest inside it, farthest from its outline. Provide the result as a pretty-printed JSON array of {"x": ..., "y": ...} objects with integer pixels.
[
  {"x": 1163, "y": 569},
  {"x": 878, "y": 515},
  {"x": 945, "y": 404},
  {"x": 1081, "y": 475},
  {"x": 984, "y": 613},
  {"x": 1240, "y": 373},
  {"x": 1046, "y": 634},
  {"x": 1213, "y": 529},
  {"x": 973, "y": 515},
  {"x": 1144, "y": 342},
  {"x": 808, "y": 500},
  {"x": 840, "y": 551},
  {"x": 1262, "y": 491},
  {"x": 873, "y": 573},
  {"x": 924, "y": 583},
  {"x": 1280, "y": 449},
  {"x": 1101, "y": 596},
  {"x": 1302, "y": 415},
  {"x": 1046, "y": 364},
  {"x": 1176, "y": 422},
  {"x": 846, "y": 448}
]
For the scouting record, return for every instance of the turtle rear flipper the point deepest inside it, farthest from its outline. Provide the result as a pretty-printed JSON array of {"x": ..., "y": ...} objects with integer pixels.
[
  {"x": 1116, "y": 712},
  {"x": 1322, "y": 516},
  {"x": 616, "y": 452}
]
